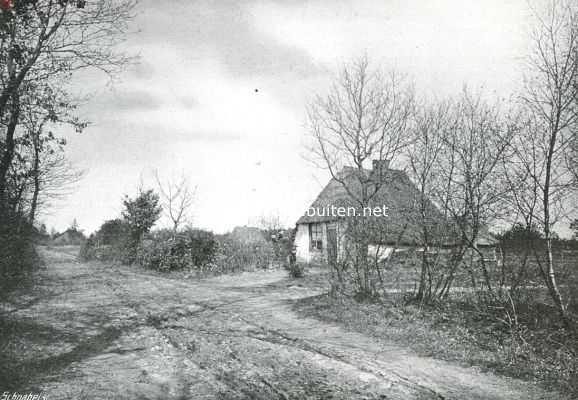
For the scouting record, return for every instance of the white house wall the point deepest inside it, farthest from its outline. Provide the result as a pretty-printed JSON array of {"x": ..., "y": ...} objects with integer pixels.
[
  {"x": 302, "y": 244},
  {"x": 302, "y": 252},
  {"x": 304, "y": 255}
]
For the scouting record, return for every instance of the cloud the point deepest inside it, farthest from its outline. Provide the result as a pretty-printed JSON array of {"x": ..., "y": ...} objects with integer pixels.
[
  {"x": 479, "y": 42},
  {"x": 191, "y": 105},
  {"x": 132, "y": 143},
  {"x": 125, "y": 102},
  {"x": 142, "y": 70},
  {"x": 188, "y": 102},
  {"x": 225, "y": 30}
]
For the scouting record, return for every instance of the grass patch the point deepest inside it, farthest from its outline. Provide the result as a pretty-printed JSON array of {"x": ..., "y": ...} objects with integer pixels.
[{"x": 539, "y": 350}]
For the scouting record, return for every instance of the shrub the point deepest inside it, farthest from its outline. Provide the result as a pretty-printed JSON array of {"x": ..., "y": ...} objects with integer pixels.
[
  {"x": 154, "y": 254},
  {"x": 112, "y": 242},
  {"x": 166, "y": 251},
  {"x": 202, "y": 246},
  {"x": 112, "y": 232},
  {"x": 296, "y": 270},
  {"x": 234, "y": 255},
  {"x": 88, "y": 249},
  {"x": 141, "y": 212},
  {"x": 283, "y": 247}
]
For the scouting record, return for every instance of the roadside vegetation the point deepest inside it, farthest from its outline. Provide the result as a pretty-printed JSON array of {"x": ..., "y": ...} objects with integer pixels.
[
  {"x": 476, "y": 162},
  {"x": 517, "y": 332},
  {"x": 534, "y": 347},
  {"x": 433, "y": 276},
  {"x": 43, "y": 45},
  {"x": 131, "y": 240}
]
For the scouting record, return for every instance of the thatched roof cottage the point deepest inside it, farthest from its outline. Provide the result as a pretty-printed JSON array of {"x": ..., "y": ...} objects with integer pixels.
[{"x": 394, "y": 214}]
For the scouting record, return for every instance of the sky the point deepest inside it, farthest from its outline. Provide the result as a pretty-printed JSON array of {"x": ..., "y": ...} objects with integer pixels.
[{"x": 221, "y": 89}]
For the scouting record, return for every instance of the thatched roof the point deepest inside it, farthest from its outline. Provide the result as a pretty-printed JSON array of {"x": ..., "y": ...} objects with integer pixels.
[
  {"x": 403, "y": 224},
  {"x": 396, "y": 191}
]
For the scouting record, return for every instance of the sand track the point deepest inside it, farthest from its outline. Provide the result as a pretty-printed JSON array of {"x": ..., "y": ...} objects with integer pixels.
[{"x": 120, "y": 333}]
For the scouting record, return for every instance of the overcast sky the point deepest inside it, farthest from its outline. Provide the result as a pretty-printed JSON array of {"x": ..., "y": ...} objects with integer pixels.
[{"x": 221, "y": 89}]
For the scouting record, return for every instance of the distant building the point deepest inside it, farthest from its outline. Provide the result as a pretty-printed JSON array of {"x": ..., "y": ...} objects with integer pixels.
[
  {"x": 248, "y": 235},
  {"x": 69, "y": 237}
]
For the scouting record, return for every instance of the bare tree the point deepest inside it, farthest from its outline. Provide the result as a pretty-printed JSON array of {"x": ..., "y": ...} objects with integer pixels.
[
  {"x": 455, "y": 162},
  {"x": 177, "y": 199},
  {"x": 271, "y": 223},
  {"x": 472, "y": 186},
  {"x": 431, "y": 121},
  {"x": 363, "y": 118},
  {"x": 542, "y": 154},
  {"x": 572, "y": 156}
]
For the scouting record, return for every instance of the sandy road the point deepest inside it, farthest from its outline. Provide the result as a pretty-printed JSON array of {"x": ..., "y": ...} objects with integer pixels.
[{"x": 105, "y": 332}]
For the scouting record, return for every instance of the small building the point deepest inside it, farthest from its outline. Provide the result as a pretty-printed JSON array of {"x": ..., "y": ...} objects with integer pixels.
[
  {"x": 248, "y": 235},
  {"x": 70, "y": 237}
]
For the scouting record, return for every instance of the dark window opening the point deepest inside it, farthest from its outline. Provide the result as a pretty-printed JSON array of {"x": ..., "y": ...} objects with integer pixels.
[{"x": 316, "y": 237}]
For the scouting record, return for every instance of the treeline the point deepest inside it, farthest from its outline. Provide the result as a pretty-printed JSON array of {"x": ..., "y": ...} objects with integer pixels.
[{"x": 43, "y": 44}]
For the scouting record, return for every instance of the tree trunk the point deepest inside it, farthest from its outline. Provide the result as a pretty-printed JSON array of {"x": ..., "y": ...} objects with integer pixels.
[
  {"x": 36, "y": 175},
  {"x": 423, "y": 278},
  {"x": 8, "y": 155},
  {"x": 551, "y": 275},
  {"x": 552, "y": 284}
]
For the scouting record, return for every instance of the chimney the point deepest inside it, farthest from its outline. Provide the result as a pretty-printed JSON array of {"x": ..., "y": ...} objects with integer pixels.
[{"x": 380, "y": 167}]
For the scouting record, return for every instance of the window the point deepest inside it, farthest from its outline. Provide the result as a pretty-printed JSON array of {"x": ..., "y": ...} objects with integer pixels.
[{"x": 316, "y": 237}]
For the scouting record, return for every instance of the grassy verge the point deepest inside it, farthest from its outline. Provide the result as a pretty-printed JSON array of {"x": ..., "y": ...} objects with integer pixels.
[{"x": 541, "y": 351}]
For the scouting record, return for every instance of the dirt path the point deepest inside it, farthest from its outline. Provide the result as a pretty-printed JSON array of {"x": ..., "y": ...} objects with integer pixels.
[{"x": 116, "y": 333}]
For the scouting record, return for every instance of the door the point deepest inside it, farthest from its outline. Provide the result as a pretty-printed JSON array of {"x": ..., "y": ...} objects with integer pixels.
[{"x": 331, "y": 244}]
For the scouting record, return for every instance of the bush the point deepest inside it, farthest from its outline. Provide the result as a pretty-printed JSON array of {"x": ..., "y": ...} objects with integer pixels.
[
  {"x": 112, "y": 242},
  {"x": 112, "y": 232},
  {"x": 202, "y": 247},
  {"x": 121, "y": 252},
  {"x": 296, "y": 270},
  {"x": 88, "y": 249},
  {"x": 234, "y": 255},
  {"x": 166, "y": 251},
  {"x": 283, "y": 246},
  {"x": 141, "y": 212},
  {"x": 193, "y": 249}
]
